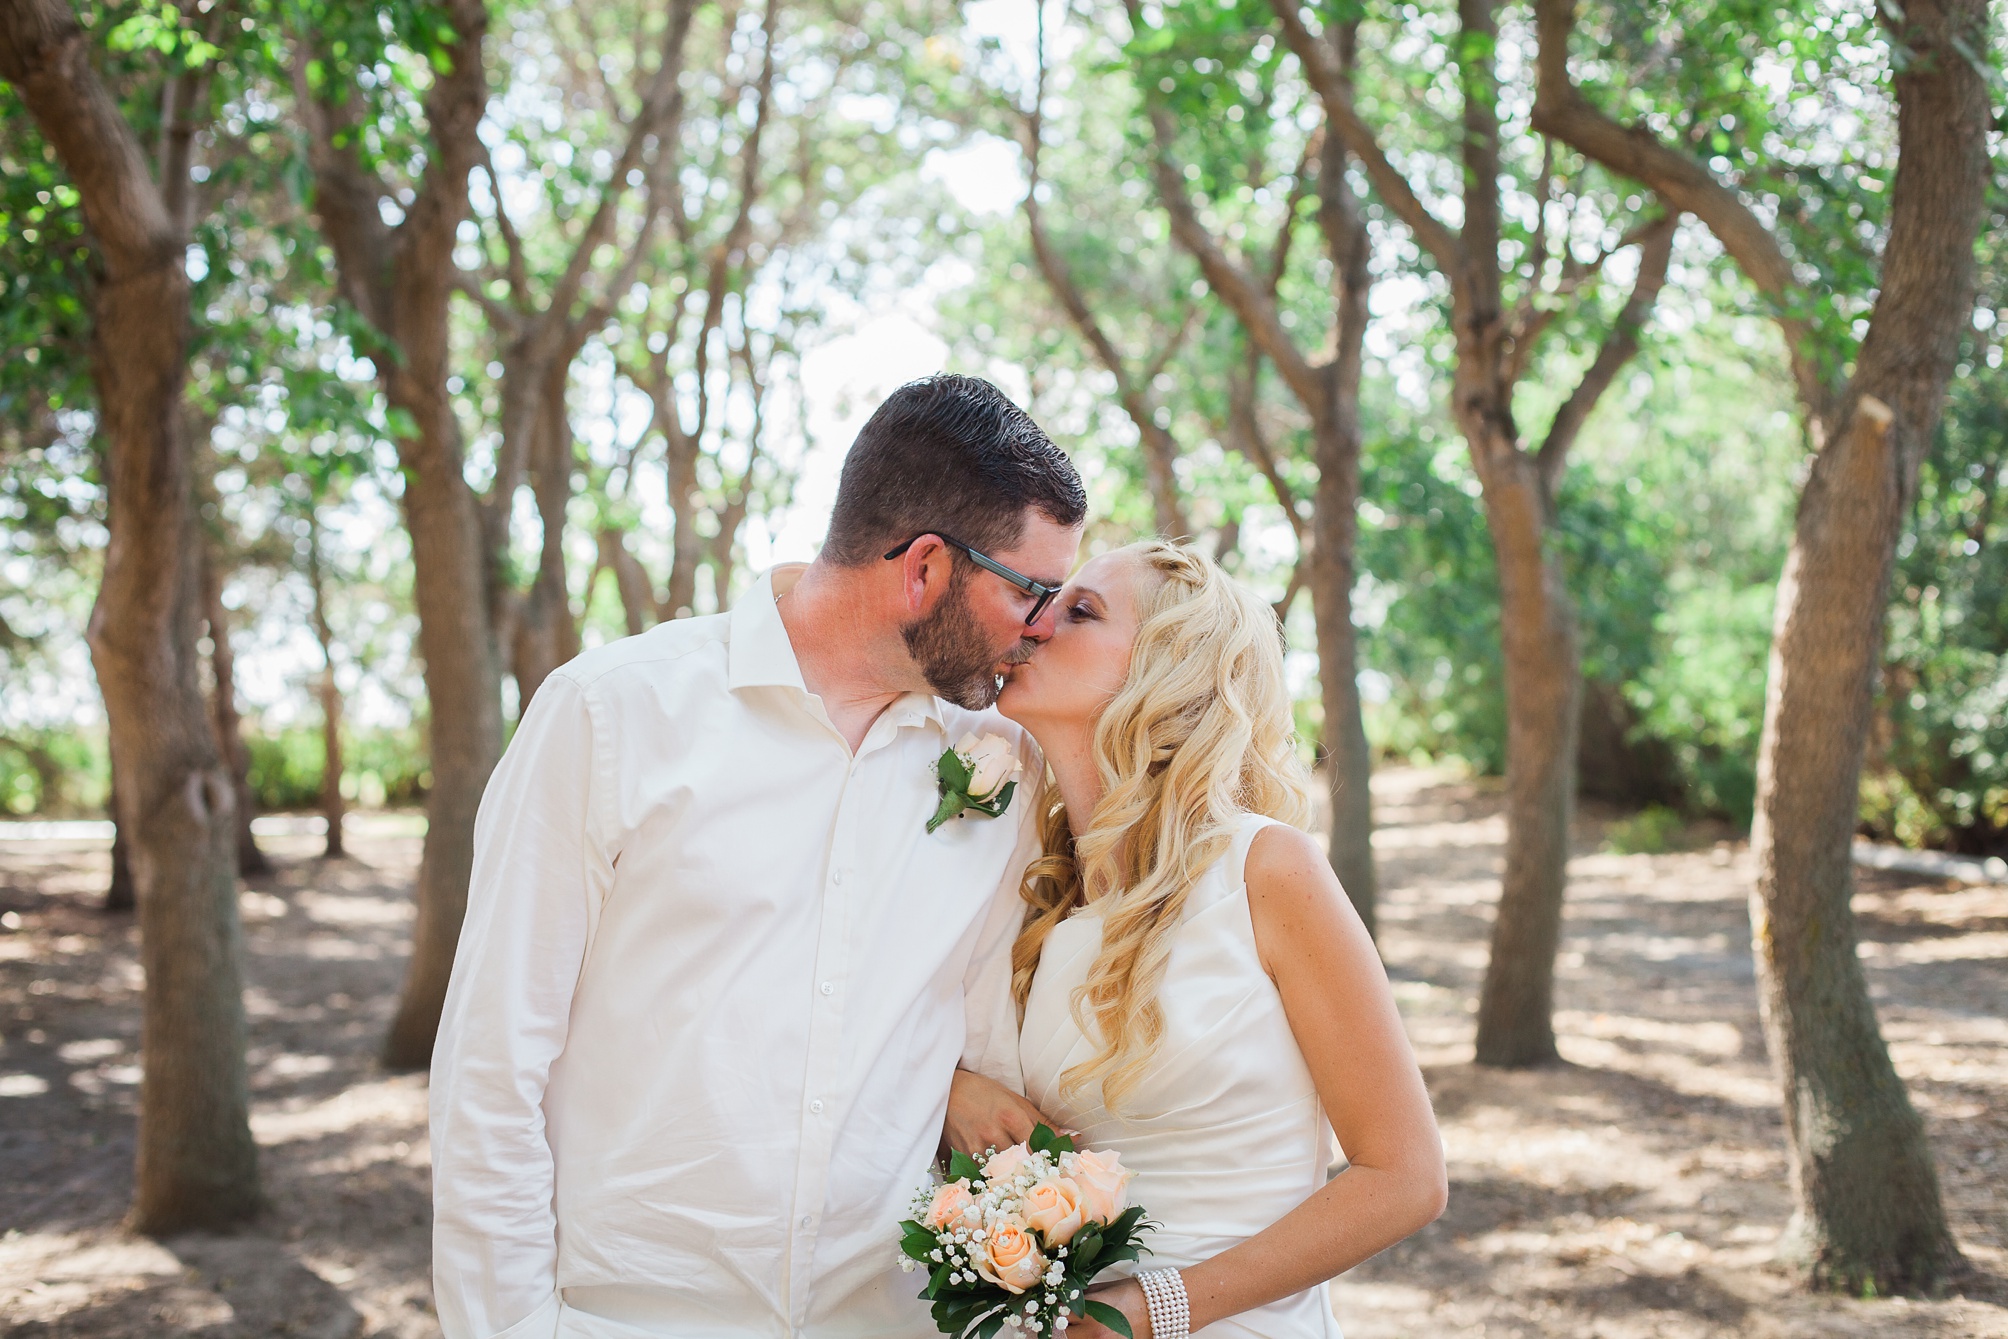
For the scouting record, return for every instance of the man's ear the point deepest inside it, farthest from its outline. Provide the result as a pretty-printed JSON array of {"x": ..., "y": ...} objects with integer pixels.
[{"x": 925, "y": 569}]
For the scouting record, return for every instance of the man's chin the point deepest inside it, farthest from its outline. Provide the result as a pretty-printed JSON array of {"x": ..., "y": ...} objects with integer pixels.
[{"x": 975, "y": 694}]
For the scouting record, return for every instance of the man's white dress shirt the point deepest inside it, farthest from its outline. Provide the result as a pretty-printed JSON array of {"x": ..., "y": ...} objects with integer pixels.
[{"x": 714, "y": 981}]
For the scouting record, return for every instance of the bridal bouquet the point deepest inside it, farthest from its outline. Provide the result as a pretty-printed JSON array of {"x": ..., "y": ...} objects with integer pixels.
[{"x": 1015, "y": 1241}]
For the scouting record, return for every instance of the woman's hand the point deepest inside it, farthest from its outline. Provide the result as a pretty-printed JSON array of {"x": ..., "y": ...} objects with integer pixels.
[
  {"x": 984, "y": 1114},
  {"x": 1126, "y": 1296}
]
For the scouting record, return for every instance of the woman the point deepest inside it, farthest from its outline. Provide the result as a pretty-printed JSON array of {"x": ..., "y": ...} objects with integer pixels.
[{"x": 1197, "y": 993}]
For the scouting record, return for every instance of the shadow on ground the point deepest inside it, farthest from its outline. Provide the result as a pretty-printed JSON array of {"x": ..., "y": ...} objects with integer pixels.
[{"x": 1636, "y": 1190}]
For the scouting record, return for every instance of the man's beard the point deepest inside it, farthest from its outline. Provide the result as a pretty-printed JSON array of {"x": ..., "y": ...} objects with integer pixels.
[{"x": 948, "y": 646}]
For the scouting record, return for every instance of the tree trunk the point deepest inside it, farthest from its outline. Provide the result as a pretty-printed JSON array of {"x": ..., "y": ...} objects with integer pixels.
[
  {"x": 686, "y": 545},
  {"x": 1613, "y": 761},
  {"x": 330, "y": 693},
  {"x": 119, "y": 894},
  {"x": 1543, "y": 701},
  {"x": 630, "y": 580},
  {"x": 401, "y": 279},
  {"x": 1868, "y": 1208},
  {"x": 196, "y": 1163},
  {"x": 333, "y": 807},
  {"x": 1349, "y": 768},
  {"x": 463, "y": 678},
  {"x": 1868, "y": 1202},
  {"x": 223, "y": 712},
  {"x": 1869, "y": 1212},
  {"x": 1335, "y": 525},
  {"x": 546, "y": 634}
]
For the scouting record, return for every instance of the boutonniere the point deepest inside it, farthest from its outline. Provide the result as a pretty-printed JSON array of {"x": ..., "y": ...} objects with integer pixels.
[{"x": 975, "y": 778}]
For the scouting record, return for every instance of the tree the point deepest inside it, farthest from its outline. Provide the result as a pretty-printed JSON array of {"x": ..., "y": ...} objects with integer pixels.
[
  {"x": 1328, "y": 390},
  {"x": 196, "y": 1162},
  {"x": 1495, "y": 345},
  {"x": 541, "y": 335},
  {"x": 1869, "y": 1212},
  {"x": 327, "y": 690},
  {"x": 224, "y": 716},
  {"x": 772, "y": 214},
  {"x": 400, "y": 277},
  {"x": 1135, "y": 387}
]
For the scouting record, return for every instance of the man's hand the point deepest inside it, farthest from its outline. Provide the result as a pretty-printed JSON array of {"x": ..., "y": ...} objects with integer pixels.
[{"x": 984, "y": 1114}]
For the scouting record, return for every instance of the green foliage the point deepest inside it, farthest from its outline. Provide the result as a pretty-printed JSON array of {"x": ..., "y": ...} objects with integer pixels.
[
  {"x": 1652, "y": 831},
  {"x": 1433, "y": 585},
  {"x": 1703, "y": 692},
  {"x": 53, "y": 773},
  {"x": 381, "y": 768},
  {"x": 1938, "y": 771},
  {"x": 1793, "y": 101}
]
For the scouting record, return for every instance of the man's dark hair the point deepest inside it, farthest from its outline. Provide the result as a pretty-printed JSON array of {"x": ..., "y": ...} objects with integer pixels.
[{"x": 948, "y": 455}]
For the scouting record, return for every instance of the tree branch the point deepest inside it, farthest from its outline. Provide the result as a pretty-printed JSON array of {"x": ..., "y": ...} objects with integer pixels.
[
  {"x": 512, "y": 241},
  {"x": 345, "y": 200},
  {"x": 1244, "y": 431},
  {"x": 1242, "y": 291},
  {"x": 1686, "y": 185},
  {"x": 1134, "y": 394},
  {"x": 661, "y": 105},
  {"x": 45, "y": 54},
  {"x": 732, "y": 245},
  {"x": 1619, "y": 347},
  {"x": 1321, "y": 67}
]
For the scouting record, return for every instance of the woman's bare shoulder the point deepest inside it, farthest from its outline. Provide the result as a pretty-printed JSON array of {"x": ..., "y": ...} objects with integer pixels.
[{"x": 1293, "y": 897}]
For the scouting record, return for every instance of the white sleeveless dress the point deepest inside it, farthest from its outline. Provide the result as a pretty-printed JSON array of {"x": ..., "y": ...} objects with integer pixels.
[{"x": 1225, "y": 1131}]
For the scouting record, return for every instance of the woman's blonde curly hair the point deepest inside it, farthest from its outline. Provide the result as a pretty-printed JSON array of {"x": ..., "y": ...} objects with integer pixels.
[{"x": 1199, "y": 734}]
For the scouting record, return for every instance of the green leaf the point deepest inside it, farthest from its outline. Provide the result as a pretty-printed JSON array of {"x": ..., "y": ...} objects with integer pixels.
[
  {"x": 953, "y": 772},
  {"x": 918, "y": 1243},
  {"x": 1110, "y": 1317},
  {"x": 1087, "y": 1246},
  {"x": 1046, "y": 1140},
  {"x": 962, "y": 1167}
]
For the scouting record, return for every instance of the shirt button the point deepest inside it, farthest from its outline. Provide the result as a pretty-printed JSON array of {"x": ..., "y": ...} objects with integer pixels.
[
  {"x": 829, "y": 989},
  {"x": 836, "y": 876},
  {"x": 815, "y": 1109},
  {"x": 808, "y": 1219}
]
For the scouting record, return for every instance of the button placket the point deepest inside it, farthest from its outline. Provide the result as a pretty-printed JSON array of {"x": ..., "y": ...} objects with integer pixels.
[{"x": 823, "y": 1076}]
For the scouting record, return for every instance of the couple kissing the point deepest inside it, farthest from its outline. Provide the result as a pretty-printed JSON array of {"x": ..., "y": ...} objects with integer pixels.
[{"x": 923, "y": 844}]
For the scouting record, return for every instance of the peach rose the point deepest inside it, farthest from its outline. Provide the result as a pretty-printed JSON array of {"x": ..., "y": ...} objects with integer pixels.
[
  {"x": 1102, "y": 1182},
  {"x": 1003, "y": 1166},
  {"x": 1053, "y": 1210},
  {"x": 950, "y": 1203},
  {"x": 991, "y": 761},
  {"x": 1008, "y": 1256}
]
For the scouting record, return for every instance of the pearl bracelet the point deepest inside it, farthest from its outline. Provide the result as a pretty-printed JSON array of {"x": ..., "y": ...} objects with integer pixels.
[{"x": 1164, "y": 1293}]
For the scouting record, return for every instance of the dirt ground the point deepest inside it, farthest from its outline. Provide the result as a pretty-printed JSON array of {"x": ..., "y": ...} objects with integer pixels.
[{"x": 1636, "y": 1191}]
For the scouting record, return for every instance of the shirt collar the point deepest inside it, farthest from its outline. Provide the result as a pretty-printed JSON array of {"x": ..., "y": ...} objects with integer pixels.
[
  {"x": 759, "y": 655},
  {"x": 758, "y": 652}
]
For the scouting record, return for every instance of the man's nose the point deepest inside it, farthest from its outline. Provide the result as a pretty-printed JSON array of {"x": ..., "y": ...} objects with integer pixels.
[{"x": 1041, "y": 628}]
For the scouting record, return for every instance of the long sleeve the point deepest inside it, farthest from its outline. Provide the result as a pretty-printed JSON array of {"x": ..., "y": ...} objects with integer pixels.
[{"x": 540, "y": 875}]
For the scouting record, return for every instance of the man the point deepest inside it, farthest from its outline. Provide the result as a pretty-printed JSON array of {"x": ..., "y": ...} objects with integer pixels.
[{"x": 716, "y": 976}]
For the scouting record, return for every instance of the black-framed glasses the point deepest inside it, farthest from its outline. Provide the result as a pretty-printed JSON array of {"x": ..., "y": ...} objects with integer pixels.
[{"x": 1042, "y": 594}]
